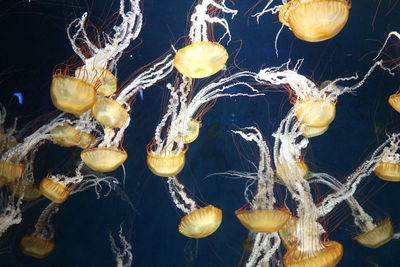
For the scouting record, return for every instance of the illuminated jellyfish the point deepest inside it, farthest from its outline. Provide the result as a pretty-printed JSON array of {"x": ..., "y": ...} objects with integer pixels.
[
  {"x": 65, "y": 135},
  {"x": 124, "y": 256},
  {"x": 166, "y": 152},
  {"x": 372, "y": 235},
  {"x": 198, "y": 222},
  {"x": 203, "y": 58},
  {"x": 311, "y": 20},
  {"x": 315, "y": 105},
  {"x": 40, "y": 243}
]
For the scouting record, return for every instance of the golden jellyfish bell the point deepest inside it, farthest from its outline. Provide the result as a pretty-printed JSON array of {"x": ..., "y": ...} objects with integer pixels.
[
  {"x": 394, "y": 101},
  {"x": 53, "y": 190},
  {"x": 201, "y": 222},
  {"x": 329, "y": 256},
  {"x": 11, "y": 171},
  {"x": 102, "y": 159},
  {"x": 388, "y": 171},
  {"x": 315, "y": 20},
  {"x": 200, "y": 59},
  {"x": 109, "y": 113},
  {"x": 72, "y": 95},
  {"x": 36, "y": 247},
  {"x": 65, "y": 135},
  {"x": 191, "y": 131},
  {"x": 87, "y": 140},
  {"x": 378, "y": 236},
  {"x": 284, "y": 171},
  {"x": 263, "y": 221},
  {"x": 316, "y": 113},
  {"x": 165, "y": 166},
  {"x": 309, "y": 132},
  {"x": 102, "y": 79}
]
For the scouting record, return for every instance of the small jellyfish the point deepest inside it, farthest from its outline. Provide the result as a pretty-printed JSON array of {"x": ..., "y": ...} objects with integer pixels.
[
  {"x": 316, "y": 113},
  {"x": 394, "y": 101},
  {"x": 109, "y": 113},
  {"x": 65, "y": 135},
  {"x": 54, "y": 190},
  {"x": 284, "y": 172},
  {"x": 201, "y": 222},
  {"x": 378, "y": 236},
  {"x": 87, "y": 140},
  {"x": 166, "y": 165},
  {"x": 36, "y": 247},
  {"x": 189, "y": 132},
  {"x": 102, "y": 79},
  {"x": 388, "y": 171},
  {"x": 315, "y": 20},
  {"x": 309, "y": 132},
  {"x": 103, "y": 159},
  {"x": 263, "y": 221},
  {"x": 11, "y": 171}
]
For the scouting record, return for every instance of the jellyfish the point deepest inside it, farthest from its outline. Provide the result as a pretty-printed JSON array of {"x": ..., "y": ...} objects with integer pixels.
[
  {"x": 166, "y": 152},
  {"x": 197, "y": 222},
  {"x": 124, "y": 256},
  {"x": 203, "y": 58},
  {"x": 315, "y": 106},
  {"x": 40, "y": 243}
]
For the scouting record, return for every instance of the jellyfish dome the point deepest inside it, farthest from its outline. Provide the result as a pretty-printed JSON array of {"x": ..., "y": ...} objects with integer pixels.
[
  {"x": 315, "y": 20},
  {"x": 36, "y": 247},
  {"x": 263, "y": 221},
  {"x": 201, "y": 222},
  {"x": 378, "y": 236}
]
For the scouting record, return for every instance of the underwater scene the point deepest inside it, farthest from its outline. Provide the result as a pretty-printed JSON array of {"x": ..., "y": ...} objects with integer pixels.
[{"x": 199, "y": 133}]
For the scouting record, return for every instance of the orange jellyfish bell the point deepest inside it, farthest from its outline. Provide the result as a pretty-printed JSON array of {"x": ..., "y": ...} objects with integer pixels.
[
  {"x": 53, "y": 190},
  {"x": 201, "y": 222},
  {"x": 316, "y": 113},
  {"x": 388, "y": 171},
  {"x": 378, "y": 236},
  {"x": 200, "y": 59},
  {"x": 329, "y": 256},
  {"x": 310, "y": 132},
  {"x": 109, "y": 113},
  {"x": 11, "y": 171},
  {"x": 191, "y": 132},
  {"x": 315, "y": 20},
  {"x": 36, "y": 247},
  {"x": 394, "y": 101},
  {"x": 102, "y": 79},
  {"x": 284, "y": 172},
  {"x": 103, "y": 159},
  {"x": 165, "y": 166},
  {"x": 65, "y": 135},
  {"x": 263, "y": 221},
  {"x": 72, "y": 95}
]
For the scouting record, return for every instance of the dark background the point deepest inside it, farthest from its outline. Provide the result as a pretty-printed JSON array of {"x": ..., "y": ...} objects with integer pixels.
[{"x": 33, "y": 42}]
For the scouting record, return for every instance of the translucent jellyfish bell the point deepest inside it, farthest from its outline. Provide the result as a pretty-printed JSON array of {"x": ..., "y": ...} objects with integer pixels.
[
  {"x": 263, "y": 221},
  {"x": 109, "y": 113},
  {"x": 72, "y": 95},
  {"x": 11, "y": 171},
  {"x": 388, "y": 171},
  {"x": 310, "y": 132},
  {"x": 102, "y": 159},
  {"x": 394, "y": 101},
  {"x": 65, "y": 135},
  {"x": 36, "y": 247},
  {"x": 201, "y": 222},
  {"x": 191, "y": 131},
  {"x": 87, "y": 140},
  {"x": 200, "y": 59},
  {"x": 315, "y": 113},
  {"x": 329, "y": 256},
  {"x": 165, "y": 166},
  {"x": 315, "y": 20},
  {"x": 54, "y": 190},
  {"x": 102, "y": 79},
  {"x": 283, "y": 173},
  {"x": 380, "y": 235}
]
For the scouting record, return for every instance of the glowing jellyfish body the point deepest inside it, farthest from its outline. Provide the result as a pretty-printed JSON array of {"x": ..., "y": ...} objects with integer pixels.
[
  {"x": 200, "y": 59},
  {"x": 380, "y": 235},
  {"x": 315, "y": 113},
  {"x": 165, "y": 166},
  {"x": 315, "y": 20},
  {"x": 310, "y": 132},
  {"x": 36, "y": 247},
  {"x": 109, "y": 113},
  {"x": 191, "y": 131},
  {"x": 201, "y": 222},
  {"x": 283, "y": 172},
  {"x": 101, "y": 79},
  {"x": 388, "y": 171},
  {"x": 72, "y": 95},
  {"x": 86, "y": 140},
  {"x": 54, "y": 190},
  {"x": 263, "y": 221},
  {"x": 11, "y": 171},
  {"x": 103, "y": 159},
  {"x": 394, "y": 101},
  {"x": 65, "y": 135},
  {"x": 329, "y": 256}
]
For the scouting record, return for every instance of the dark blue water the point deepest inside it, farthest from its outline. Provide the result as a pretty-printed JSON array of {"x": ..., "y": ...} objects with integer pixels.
[{"x": 33, "y": 41}]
